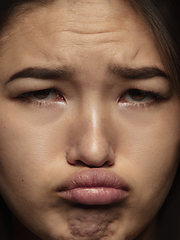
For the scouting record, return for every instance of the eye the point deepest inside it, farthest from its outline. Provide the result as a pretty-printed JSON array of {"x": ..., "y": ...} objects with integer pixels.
[
  {"x": 139, "y": 96},
  {"x": 43, "y": 95}
]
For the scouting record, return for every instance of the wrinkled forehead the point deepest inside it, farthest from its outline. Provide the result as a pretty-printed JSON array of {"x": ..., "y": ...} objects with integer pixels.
[
  {"x": 91, "y": 28},
  {"x": 88, "y": 17}
]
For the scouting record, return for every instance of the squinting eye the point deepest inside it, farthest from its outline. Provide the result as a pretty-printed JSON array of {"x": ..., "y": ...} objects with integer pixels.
[
  {"x": 136, "y": 95},
  {"x": 46, "y": 94}
]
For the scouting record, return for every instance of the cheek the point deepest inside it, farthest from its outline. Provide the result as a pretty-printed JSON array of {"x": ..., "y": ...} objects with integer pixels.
[
  {"x": 150, "y": 138},
  {"x": 149, "y": 155},
  {"x": 31, "y": 147}
]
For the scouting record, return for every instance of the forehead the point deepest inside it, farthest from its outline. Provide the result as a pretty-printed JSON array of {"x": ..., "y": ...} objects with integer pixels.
[
  {"x": 56, "y": 30},
  {"x": 71, "y": 15}
]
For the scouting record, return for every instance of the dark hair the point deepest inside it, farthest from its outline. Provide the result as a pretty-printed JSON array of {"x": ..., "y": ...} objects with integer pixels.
[
  {"x": 10, "y": 10},
  {"x": 162, "y": 18},
  {"x": 164, "y": 22}
]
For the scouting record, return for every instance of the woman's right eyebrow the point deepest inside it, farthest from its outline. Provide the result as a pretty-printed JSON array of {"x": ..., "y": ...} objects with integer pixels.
[{"x": 41, "y": 73}]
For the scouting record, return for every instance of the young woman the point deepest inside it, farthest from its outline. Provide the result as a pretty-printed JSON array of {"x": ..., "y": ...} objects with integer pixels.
[{"x": 89, "y": 121}]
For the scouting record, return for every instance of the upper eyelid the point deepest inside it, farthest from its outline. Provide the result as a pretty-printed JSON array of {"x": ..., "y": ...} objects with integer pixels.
[
  {"x": 31, "y": 92},
  {"x": 152, "y": 94}
]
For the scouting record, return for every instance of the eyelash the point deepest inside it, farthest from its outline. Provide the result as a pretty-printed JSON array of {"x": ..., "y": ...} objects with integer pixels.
[
  {"x": 29, "y": 97},
  {"x": 153, "y": 98}
]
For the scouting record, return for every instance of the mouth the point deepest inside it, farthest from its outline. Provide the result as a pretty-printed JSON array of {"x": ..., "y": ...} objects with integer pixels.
[{"x": 94, "y": 187}]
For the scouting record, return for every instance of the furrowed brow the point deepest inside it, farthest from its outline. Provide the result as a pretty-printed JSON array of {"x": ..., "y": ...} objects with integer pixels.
[
  {"x": 137, "y": 73},
  {"x": 41, "y": 73}
]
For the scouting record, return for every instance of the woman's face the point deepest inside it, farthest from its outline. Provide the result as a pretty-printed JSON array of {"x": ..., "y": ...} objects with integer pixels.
[{"x": 83, "y": 155}]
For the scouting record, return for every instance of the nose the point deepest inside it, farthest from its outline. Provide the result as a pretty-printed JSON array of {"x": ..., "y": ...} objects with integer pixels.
[{"x": 91, "y": 141}]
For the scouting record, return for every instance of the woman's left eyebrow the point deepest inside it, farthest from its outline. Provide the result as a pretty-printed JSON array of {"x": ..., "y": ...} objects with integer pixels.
[
  {"x": 137, "y": 73},
  {"x": 41, "y": 73}
]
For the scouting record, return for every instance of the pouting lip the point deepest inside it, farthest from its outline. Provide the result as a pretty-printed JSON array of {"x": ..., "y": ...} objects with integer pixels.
[{"x": 93, "y": 178}]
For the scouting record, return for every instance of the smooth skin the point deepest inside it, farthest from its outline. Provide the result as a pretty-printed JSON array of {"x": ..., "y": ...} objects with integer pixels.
[{"x": 89, "y": 118}]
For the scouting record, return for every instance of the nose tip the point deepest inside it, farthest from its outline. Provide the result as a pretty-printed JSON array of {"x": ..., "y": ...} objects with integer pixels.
[
  {"x": 95, "y": 155},
  {"x": 91, "y": 148}
]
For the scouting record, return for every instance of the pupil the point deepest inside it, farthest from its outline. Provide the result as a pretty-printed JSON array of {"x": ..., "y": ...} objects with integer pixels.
[{"x": 137, "y": 95}]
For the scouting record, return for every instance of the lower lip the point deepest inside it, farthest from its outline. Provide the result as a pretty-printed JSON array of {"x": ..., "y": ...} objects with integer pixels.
[{"x": 94, "y": 196}]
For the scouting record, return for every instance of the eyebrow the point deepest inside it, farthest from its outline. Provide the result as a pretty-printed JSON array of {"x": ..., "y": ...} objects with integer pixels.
[
  {"x": 42, "y": 73},
  {"x": 137, "y": 73}
]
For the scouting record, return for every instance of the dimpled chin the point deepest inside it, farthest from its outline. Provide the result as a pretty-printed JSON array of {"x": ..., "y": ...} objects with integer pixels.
[{"x": 91, "y": 224}]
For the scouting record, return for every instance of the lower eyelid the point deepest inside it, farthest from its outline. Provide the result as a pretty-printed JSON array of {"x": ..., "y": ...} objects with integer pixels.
[{"x": 38, "y": 103}]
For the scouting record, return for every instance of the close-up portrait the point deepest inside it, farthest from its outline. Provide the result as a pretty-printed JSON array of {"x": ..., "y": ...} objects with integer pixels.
[{"x": 89, "y": 120}]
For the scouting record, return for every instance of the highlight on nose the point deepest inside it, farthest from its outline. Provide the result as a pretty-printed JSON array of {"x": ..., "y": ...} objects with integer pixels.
[{"x": 91, "y": 144}]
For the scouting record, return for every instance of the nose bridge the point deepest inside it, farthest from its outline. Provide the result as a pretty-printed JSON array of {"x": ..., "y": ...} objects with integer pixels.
[
  {"x": 92, "y": 144},
  {"x": 94, "y": 134}
]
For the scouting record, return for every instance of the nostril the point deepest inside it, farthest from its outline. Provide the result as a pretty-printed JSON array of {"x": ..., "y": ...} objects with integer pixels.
[
  {"x": 79, "y": 163},
  {"x": 78, "y": 157}
]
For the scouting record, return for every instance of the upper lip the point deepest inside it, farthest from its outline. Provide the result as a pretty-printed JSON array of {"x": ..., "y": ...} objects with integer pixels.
[{"x": 93, "y": 178}]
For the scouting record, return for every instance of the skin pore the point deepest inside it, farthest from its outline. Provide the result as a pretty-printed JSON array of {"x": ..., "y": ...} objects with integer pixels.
[{"x": 83, "y": 87}]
